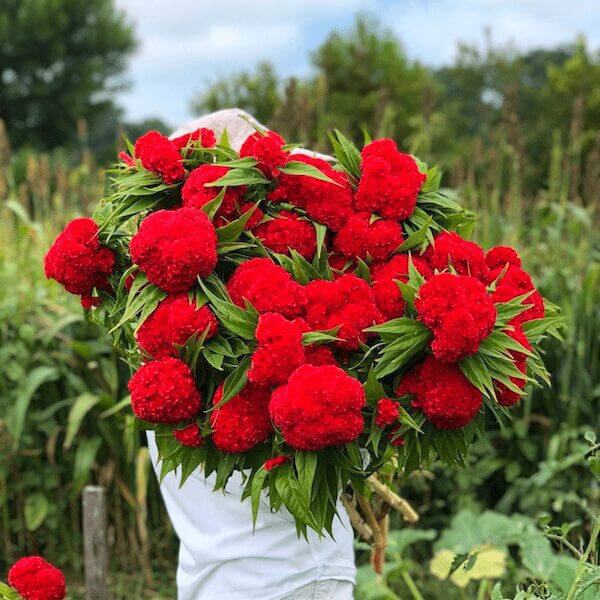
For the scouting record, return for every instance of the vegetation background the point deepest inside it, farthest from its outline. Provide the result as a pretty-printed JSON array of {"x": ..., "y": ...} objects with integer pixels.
[{"x": 518, "y": 137}]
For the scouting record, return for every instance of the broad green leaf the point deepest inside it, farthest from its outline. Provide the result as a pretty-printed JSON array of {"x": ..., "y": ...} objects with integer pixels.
[
  {"x": 35, "y": 511},
  {"x": 82, "y": 405},
  {"x": 296, "y": 167}
]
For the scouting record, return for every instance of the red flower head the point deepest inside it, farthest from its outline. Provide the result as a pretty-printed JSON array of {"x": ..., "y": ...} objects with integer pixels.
[
  {"x": 449, "y": 249},
  {"x": 388, "y": 296},
  {"x": 390, "y": 181},
  {"x": 387, "y": 413},
  {"x": 271, "y": 463},
  {"x": 189, "y": 436},
  {"x": 459, "y": 312},
  {"x": 195, "y": 193},
  {"x": 442, "y": 392},
  {"x": 500, "y": 256},
  {"x": 268, "y": 287},
  {"x": 287, "y": 231},
  {"x": 359, "y": 238},
  {"x": 279, "y": 350},
  {"x": 516, "y": 282},
  {"x": 36, "y": 579},
  {"x": 174, "y": 247},
  {"x": 77, "y": 260},
  {"x": 268, "y": 150},
  {"x": 160, "y": 155},
  {"x": 164, "y": 391},
  {"x": 505, "y": 396},
  {"x": 88, "y": 302},
  {"x": 174, "y": 321},
  {"x": 205, "y": 137},
  {"x": 319, "y": 355},
  {"x": 347, "y": 303},
  {"x": 242, "y": 422},
  {"x": 324, "y": 202},
  {"x": 318, "y": 407}
]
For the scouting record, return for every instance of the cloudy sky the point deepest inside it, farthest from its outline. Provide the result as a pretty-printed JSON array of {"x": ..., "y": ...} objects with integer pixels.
[{"x": 186, "y": 44}]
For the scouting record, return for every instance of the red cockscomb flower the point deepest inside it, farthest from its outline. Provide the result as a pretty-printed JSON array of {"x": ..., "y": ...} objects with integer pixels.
[
  {"x": 501, "y": 256},
  {"x": 164, "y": 391},
  {"x": 324, "y": 202},
  {"x": 459, "y": 312},
  {"x": 442, "y": 392},
  {"x": 205, "y": 136},
  {"x": 347, "y": 303},
  {"x": 195, "y": 193},
  {"x": 287, "y": 231},
  {"x": 242, "y": 422},
  {"x": 77, "y": 260},
  {"x": 387, "y": 412},
  {"x": 174, "y": 247},
  {"x": 174, "y": 321},
  {"x": 160, "y": 155},
  {"x": 272, "y": 463},
  {"x": 268, "y": 287},
  {"x": 268, "y": 150},
  {"x": 126, "y": 159},
  {"x": 451, "y": 250},
  {"x": 279, "y": 350},
  {"x": 189, "y": 436},
  {"x": 504, "y": 395},
  {"x": 318, "y": 407},
  {"x": 386, "y": 292},
  {"x": 390, "y": 181},
  {"x": 359, "y": 238},
  {"x": 35, "y": 579}
]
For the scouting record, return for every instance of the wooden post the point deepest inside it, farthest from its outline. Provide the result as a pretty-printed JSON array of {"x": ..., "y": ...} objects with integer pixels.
[{"x": 95, "y": 546}]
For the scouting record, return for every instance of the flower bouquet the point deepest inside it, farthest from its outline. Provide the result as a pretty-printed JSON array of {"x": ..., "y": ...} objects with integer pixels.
[{"x": 309, "y": 323}]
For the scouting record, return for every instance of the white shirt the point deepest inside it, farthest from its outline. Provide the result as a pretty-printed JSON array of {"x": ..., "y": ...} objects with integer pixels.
[{"x": 220, "y": 555}]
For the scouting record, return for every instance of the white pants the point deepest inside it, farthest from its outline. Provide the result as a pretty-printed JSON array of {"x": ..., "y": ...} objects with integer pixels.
[{"x": 327, "y": 589}]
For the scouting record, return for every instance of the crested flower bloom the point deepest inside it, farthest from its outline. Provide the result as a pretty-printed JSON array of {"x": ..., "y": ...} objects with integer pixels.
[
  {"x": 268, "y": 287},
  {"x": 459, "y": 312},
  {"x": 385, "y": 275},
  {"x": 36, "y": 579},
  {"x": 318, "y": 407},
  {"x": 501, "y": 256},
  {"x": 274, "y": 462},
  {"x": 451, "y": 250},
  {"x": 164, "y": 391},
  {"x": 175, "y": 247},
  {"x": 360, "y": 238},
  {"x": 288, "y": 231},
  {"x": 172, "y": 323},
  {"x": 160, "y": 155},
  {"x": 504, "y": 395},
  {"x": 387, "y": 412},
  {"x": 279, "y": 350},
  {"x": 189, "y": 436},
  {"x": 390, "y": 181},
  {"x": 346, "y": 303},
  {"x": 324, "y": 202},
  {"x": 442, "y": 392},
  {"x": 78, "y": 261},
  {"x": 268, "y": 150},
  {"x": 202, "y": 137},
  {"x": 243, "y": 422}
]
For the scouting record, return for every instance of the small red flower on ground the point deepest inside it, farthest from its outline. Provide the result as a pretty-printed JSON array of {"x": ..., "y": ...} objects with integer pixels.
[
  {"x": 268, "y": 287},
  {"x": 242, "y": 422},
  {"x": 160, "y": 155},
  {"x": 268, "y": 150},
  {"x": 164, "y": 391},
  {"x": 459, "y": 312},
  {"x": 504, "y": 395},
  {"x": 172, "y": 323},
  {"x": 189, "y": 436},
  {"x": 318, "y": 407},
  {"x": 346, "y": 303},
  {"x": 174, "y": 247},
  {"x": 442, "y": 392},
  {"x": 387, "y": 412},
  {"x": 272, "y": 463},
  {"x": 287, "y": 231},
  {"x": 390, "y": 181},
  {"x": 36, "y": 579},
  {"x": 77, "y": 260}
]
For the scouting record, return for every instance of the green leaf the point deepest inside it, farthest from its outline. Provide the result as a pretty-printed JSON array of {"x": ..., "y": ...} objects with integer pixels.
[
  {"x": 35, "y": 511},
  {"x": 239, "y": 176},
  {"x": 417, "y": 238},
  {"x": 212, "y": 206},
  {"x": 296, "y": 167},
  {"x": 82, "y": 405},
  {"x": 234, "y": 382},
  {"x": 257, "y": 485},
  {"x": 233, "y": 230},
  {"x": 347, "y": 154}
]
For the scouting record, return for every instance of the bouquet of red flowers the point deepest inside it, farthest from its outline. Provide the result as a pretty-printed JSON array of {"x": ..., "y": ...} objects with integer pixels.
[
  {"x": 306, "y": 322},
  {"x": 32, "y": 578}
]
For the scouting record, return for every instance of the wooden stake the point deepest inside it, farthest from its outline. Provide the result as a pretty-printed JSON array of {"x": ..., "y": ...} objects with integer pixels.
[{"x": 95, "y": 548}]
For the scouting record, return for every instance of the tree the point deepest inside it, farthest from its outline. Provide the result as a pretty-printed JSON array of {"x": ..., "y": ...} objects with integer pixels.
[{"x": 60, "y": 61}]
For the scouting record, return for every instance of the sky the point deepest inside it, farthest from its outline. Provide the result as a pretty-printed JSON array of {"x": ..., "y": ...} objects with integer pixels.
[{"x": 184, "y": 45}]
